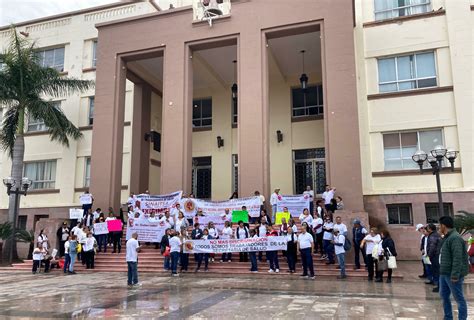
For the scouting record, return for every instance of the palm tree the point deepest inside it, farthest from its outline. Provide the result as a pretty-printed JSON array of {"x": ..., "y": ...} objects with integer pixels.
[
  {"x": 464, "y": 222},
  {"x": 25, "y": 90}
]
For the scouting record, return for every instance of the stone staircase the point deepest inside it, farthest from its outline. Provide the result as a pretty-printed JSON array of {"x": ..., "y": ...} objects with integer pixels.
[{"x": 150, "y": 260}]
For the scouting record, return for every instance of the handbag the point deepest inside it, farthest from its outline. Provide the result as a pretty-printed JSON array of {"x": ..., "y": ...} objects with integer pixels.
[
  {"x": 392, "y": 261},
  {"x": 79, "y": 248},
  {"x": 426, "y": 260},
  {"x": 382, "y": 264},
  {"x": 167, "y": 252}
]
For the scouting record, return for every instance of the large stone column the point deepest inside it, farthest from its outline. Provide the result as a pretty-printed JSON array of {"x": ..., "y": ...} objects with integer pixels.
[
  {"x": 341, "y": 113},
  {"x": 140, "y": 157},
  {"x": 253, "y": 115},
  {"x": 177, "y": 128},
  {"x": 107, "y": 134}
]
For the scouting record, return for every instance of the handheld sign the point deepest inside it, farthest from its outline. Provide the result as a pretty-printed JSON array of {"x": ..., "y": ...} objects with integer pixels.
[
  {"x": 114, "y": 225},
  {"x": 75, "y": 213},
  {"x": 240, "y": 216},
  {"x": 86, "y": 198},
  {"x": 100, "y": 228},
  {"x": 281, "y": 215}
]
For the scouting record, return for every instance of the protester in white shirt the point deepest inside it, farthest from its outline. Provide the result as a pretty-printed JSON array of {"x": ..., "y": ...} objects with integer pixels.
[
  {"x": 167, "y": 220},
  {"x": 310, "y": 194},
  {"x": 175, "y": 248},
  {"x": 328, "y": 227},
  {"x": 328, "y": 195},
  {"x": 226, "y": 233},
  {"x": 227, "y": 215},
  {"x": 305, "y": 247},
  {"x": 274, "y": 201},
  {"x": 318, "y": 234},
  {"x": 370, "y": 241},
  {"x": 39, "y": 254},
  {"x": 88, "y": 250},
  {"x": 132, "y": 260},
  {"x": 242, "y": 232},
  {"x": 339, "y": 240},
  {"x": 132, "y": 199},
  {"x": 306, "y": 217},
  {"x": 43, "y": 240},
  {"x": 97, "y": 213},
  {"x": 181, "y": 221},
  {"x": 175, "y": 211},
  {"x": 341, "y": 226}
]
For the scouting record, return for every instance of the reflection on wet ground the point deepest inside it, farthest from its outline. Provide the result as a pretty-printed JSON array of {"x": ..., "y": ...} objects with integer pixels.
[{"x": 105, "y": 295}]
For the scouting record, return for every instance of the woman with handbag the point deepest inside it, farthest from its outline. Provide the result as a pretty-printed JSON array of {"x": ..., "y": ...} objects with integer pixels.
[
  {"x": 388, "y": 253},
  {"x": 371, "y": 242}
]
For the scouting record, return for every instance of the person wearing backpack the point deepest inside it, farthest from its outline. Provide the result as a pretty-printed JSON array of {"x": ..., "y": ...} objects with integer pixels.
[
  {"x": 339, "y": 248},
  {"x": 73, "y": 246}
]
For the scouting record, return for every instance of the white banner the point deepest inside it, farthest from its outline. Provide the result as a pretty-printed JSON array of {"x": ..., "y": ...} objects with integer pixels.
[
  {"x": 216, "y": 208},
  {"x": 86, "y": 198},
  {"x": 157, "y": 203},
  {"x": 76, "y": 213},
  {"x": 219, "y": 221},
  {"x": 235, "y": 245},
  {"x": 100, "y": 228},
  {"x": 295, "y": 204},
  {"x": 147, "y": 231}
]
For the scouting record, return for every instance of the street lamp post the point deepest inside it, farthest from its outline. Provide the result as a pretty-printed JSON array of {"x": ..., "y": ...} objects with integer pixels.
[
  {"x": 10, "y": 183},
  {"x": 435, "y": 159}
]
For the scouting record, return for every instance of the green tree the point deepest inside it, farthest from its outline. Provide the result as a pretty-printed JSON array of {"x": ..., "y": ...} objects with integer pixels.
[
  {"x": 26, "y": 90},
  {"x": 464, "y": 222}
]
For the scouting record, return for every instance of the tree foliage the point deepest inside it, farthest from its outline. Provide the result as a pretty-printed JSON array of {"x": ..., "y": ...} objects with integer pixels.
[
  {"x": 28, "y": 90},
  {"x": 464, "y": 222}
]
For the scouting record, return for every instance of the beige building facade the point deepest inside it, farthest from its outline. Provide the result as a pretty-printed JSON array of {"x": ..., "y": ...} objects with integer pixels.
[{"x": 383, "y": 82}]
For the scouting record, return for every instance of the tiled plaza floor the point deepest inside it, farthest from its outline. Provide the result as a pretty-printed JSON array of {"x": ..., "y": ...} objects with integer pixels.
[{"x": 105, "y": 295}]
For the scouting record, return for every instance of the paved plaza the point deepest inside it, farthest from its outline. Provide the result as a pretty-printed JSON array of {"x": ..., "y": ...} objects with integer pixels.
[{"x": 105, "y": 295}]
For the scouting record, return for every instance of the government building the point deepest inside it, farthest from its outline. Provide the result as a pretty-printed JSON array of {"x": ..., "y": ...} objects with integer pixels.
[{"x": 216, "y": 96}]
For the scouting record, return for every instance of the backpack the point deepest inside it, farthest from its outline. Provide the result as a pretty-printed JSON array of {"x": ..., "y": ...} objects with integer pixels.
[{"x": 347, "y": 245}]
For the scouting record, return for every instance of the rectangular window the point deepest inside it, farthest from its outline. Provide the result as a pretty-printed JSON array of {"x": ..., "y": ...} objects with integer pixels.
[
  {"x": 94, "y": 53},
  {"x": 91, "y": 111},
  {"x": 389, "y": 9},
  {"x": 36, "y": 125},
  {"x": 307, "y": 102},
  {"x": 202, "y": 113},
  {"x": 42, "y": 173},
  {"x": 400, "y": 146},
  {"x": 87, "y": 172},
  {"x": 399, "y": 214},
  {"x": 22, "y": 222},
  {"x": 52, "y": 58},
  {"x": 309, "y": 169},
  {"x": 234, "y": 112},
  {"x": 407, "y": 72},
  {"x": 432, "y": 211},
  {"x": 235, "y": 172},
  {"x": 201, "y": 177}
]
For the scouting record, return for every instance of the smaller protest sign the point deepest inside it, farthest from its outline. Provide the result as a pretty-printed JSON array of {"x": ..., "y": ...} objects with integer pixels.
[
  {"x": 240, "y": 216},
  {"x": 100, "y": 228},
  {"x": 86, "y": 198},
  {"x": 75, "y": 213},
  {"x": 114, "y": 225},
  {"x": 281, "y": 215}
]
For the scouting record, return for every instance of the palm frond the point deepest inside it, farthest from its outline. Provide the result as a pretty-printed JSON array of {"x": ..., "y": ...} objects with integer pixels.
[
  {"x": 9, "y": 129},
  {"x": 52, "y": 84},
  {"x": 6, "y": 230},
  {"x": 25, "y": 236},
  {"x": 464, "y": 222},
  {"x": 59, "y": 127}
]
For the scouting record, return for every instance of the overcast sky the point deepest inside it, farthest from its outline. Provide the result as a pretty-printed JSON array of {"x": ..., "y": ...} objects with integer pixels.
[{"x": 14, "y": 11}]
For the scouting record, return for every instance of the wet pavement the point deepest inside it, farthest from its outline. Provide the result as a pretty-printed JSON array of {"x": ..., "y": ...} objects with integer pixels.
[{"x": 201, "y": 296}]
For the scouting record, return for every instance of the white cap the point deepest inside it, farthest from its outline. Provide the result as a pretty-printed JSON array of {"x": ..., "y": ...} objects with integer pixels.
[{"x": 419, "y": 226}]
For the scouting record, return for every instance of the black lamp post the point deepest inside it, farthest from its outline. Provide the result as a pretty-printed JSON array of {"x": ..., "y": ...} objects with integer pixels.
[
  {"x": 304, "y": 78},
  {"x": 435, "y": 159},
  {"x": 10, "y": 183}
]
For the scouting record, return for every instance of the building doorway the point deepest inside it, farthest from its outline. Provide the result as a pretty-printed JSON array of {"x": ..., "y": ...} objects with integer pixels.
[
  {"x": 202, "y": 177},
  {"x": 309, "y": 170}
]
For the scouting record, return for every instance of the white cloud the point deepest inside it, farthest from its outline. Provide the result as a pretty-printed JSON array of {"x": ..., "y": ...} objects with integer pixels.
[{"x": 14, "y": 11}]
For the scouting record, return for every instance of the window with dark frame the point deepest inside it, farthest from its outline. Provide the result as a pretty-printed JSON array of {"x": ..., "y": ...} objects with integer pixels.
[
  {"x": 90, "y": 116},
  {"x": 432, "y": 211},
  {"x": 202, "y": 177},
  {"x": 407, "y": 72},
  {"x": 234, "y": 112},
  {"x": 22, "y": 220},
  {"x": 202, "y": 113},
  {"x": 307, "y": 102},
  {"x": 389, "y": 9},
  {"x": 309, "y": 169},
  {"x": 94, "y": 53},
  {"x": 400, "y": 146},
  {"x": 52, "y": 58},
  {"x": 42, "y": 173},
  {"x": 400, "y": 214}
]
